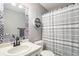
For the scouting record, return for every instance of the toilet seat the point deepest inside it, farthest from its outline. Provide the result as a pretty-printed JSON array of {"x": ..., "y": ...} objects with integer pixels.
[{"x": 46, "y": 53}]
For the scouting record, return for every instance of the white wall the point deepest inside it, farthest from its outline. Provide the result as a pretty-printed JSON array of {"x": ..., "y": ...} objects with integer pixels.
[
  {"x": 13, "y": 20},
  {"x": 1, "y": 7},
  {"x": 35, "y": 10}
]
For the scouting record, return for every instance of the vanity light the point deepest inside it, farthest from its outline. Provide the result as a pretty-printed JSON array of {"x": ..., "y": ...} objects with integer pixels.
[
  {"x": 13, "y": 4},
  {"x": 20, "y": 6}
]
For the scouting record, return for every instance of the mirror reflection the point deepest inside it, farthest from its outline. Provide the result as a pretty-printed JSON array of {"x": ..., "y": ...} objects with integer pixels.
[{"x": 15, "y": 21}]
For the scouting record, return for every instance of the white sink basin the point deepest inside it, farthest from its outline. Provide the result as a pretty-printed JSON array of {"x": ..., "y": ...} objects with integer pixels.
[
  {"x": 25, "y": 49},
  {"x": 18, "y": 50}
]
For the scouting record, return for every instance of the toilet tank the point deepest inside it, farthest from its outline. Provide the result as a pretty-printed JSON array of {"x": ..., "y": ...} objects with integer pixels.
[{"x": 40, "y": 42}]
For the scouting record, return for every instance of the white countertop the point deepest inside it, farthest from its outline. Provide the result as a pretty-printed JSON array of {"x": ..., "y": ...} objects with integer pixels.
[{"x": 6, "y": 47}]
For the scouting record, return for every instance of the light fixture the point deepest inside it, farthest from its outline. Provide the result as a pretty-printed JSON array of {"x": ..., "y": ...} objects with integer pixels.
[
  {"x": 13, "y": 4},
  {"x": 20, "y": 6}
]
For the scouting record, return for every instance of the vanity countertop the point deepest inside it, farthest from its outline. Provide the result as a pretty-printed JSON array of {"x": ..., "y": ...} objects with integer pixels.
[{"x": 7, "y": 46}]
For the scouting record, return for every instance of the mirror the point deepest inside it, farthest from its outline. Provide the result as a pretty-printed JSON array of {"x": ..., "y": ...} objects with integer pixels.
[
  {"x": 37, "y": 23},
  {"x": 14, "y": 18}
]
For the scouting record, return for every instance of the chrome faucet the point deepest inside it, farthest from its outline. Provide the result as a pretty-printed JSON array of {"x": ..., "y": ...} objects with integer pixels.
[{"x": 17, "y": 42}]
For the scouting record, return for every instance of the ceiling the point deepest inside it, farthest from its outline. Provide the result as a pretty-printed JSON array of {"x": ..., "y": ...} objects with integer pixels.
[
  {"x": 47, "y": 6},
  {"x": 52, "y": 6},
  {"x": 14, "y": 8}
]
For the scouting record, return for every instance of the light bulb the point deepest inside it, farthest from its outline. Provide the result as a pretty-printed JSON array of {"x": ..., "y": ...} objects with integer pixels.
[
  {"x": 20, "y": 6},
  {"x": 13, "y": 4}
]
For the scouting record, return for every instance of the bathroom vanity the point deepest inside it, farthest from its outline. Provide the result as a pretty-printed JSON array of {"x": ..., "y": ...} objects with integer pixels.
[{"x": 25, "y": 49}]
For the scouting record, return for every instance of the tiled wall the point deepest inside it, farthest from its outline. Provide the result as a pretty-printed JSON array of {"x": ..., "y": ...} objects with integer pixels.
[
  {"x": 1, "y": 24},
  {"x": 1, "y": 29},
  {"x": 60, "y": 31}
]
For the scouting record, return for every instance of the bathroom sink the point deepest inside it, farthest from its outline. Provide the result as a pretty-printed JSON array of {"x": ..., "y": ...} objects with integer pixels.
[
  {"x": 17, "y": 50},
  {"x": 25, "y": 49}
]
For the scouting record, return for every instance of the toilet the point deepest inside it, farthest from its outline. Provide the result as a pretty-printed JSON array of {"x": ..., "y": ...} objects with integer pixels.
[{"x": 44, "y": 52}]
